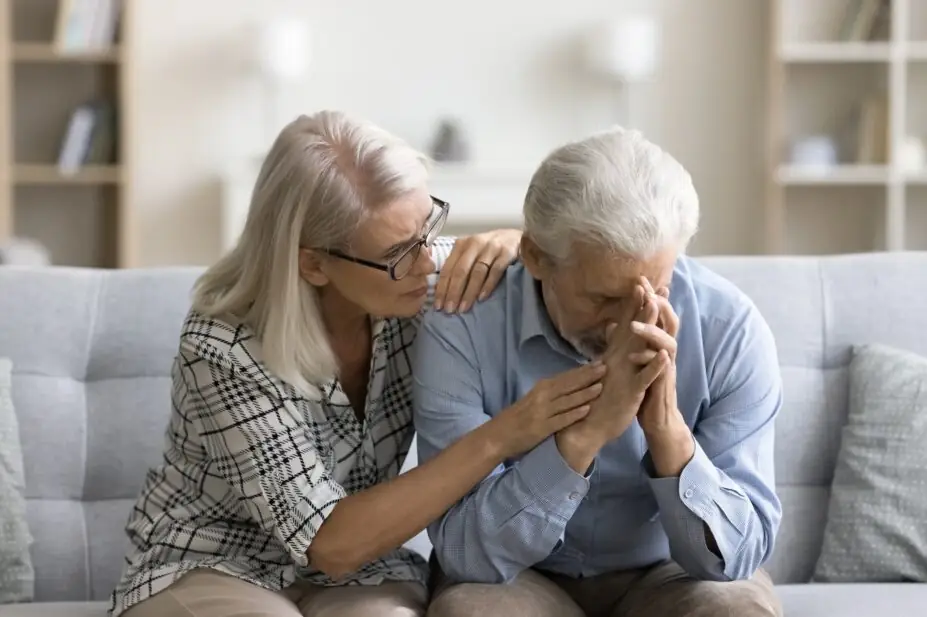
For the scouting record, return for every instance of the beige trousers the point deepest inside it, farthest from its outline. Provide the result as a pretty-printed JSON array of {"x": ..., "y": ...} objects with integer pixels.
[
  {"x": 206, "y": 593},
  {"x": 664, "y": 590}
]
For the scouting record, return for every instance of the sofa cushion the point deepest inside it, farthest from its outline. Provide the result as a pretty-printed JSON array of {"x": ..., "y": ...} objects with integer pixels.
[
  {"x": 17, "y": 577},
  {"x": 56, "y": 609},
  {"x": 845, "y": 600},
  {"x": 91, "y": 352},
  {"x": 876, "y": 530}
]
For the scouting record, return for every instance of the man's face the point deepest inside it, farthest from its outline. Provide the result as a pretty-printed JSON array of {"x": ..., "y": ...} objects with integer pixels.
[{"x": 594, "y": 289}]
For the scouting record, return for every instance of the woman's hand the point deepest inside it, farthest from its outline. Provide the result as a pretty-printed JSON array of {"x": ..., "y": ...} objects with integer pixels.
[
  {"x": 552, "y": 405},
  {"x": 474, "y": 268}
]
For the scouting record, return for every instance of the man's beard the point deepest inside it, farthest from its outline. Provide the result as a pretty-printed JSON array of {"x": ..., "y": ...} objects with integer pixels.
[{"x": 590, "y": 345}]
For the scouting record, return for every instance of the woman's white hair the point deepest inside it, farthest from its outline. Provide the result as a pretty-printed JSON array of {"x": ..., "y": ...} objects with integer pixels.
[
  {"x": 321, "y": 175},
  {"x": 613, "y": 188}
]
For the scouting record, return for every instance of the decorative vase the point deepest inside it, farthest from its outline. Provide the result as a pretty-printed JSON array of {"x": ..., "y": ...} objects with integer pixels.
[{"x": 450, "y": 144}]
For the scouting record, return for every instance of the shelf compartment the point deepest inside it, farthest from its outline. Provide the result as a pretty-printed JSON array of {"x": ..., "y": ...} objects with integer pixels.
[
  {"x": 44, "y": 52},
  {"x": 834, "y": 220},
  {"x": 26, "y": 174},
  {"x": 74, "y": 223},
  {"x": 916, "y": 218},
  {"x": 829, "y": 52},
  {"x": 846, "y": 175},
  {"x": 917, "y": 21},
  {"x": 805, "y": 21}
]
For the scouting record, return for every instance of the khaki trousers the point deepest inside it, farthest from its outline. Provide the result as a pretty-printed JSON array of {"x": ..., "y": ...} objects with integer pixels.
[
  {"x": 664, "y": 590},
  {"x": 206, "y": 593}
]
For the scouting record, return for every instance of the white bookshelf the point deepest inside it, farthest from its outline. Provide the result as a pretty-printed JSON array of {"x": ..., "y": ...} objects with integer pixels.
[{"x": 817, "y": 80}]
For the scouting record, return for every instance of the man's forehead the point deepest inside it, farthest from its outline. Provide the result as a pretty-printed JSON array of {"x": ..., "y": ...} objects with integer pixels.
[{"x": 616, "y": 273}]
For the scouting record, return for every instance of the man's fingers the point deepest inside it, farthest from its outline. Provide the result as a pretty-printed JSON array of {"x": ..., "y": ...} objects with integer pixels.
[
  {"x": 655, "y": 336},
  {"x": 653, "y": 370},
  {"x": 575, "y": 399},
  {"x": 635, "y": 308},
  {"x": 576, "y": 379},
  {"x": 669, "y": 320},
  {"x": 641, "y": 358},
  {"x": 648, "y": 288},
  {"x": 651, "y": 311}
]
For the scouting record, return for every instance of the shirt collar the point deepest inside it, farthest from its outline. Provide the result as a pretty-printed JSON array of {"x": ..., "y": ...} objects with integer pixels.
[{"x": 535, "y": 321}]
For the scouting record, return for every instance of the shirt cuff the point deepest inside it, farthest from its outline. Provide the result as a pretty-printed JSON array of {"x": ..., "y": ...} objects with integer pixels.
[
  {"x": 551, "y": 480},
  {"x": 694, "y": 486},
  {"x": 687, "y": 507}
]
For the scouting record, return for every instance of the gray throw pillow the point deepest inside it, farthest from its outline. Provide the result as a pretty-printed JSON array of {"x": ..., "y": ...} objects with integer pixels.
[
  {"x": 17, "y": 577},
  {"x": 876, "y": 527}
]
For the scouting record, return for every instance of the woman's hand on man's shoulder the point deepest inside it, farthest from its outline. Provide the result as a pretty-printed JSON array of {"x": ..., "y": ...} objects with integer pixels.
[{"x": 474, "y": 268}]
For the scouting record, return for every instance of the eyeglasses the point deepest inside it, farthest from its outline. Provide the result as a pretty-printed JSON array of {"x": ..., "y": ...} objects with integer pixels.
[{"x": 400, "y": 265}]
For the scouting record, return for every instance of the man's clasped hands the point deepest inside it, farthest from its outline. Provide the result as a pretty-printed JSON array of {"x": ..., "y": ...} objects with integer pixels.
[{"x": 595, "y": 404}]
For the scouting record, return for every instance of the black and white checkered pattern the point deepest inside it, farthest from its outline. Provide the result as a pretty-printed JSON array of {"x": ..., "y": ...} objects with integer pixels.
[{"x": 251, "y": 468}]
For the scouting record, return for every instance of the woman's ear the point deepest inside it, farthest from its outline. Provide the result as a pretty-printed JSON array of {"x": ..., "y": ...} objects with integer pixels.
[{"x": 311, "y": 267}]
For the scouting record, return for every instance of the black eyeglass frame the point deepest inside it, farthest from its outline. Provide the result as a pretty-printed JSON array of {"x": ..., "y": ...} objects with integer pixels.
[{"x": 390, "y": 266}]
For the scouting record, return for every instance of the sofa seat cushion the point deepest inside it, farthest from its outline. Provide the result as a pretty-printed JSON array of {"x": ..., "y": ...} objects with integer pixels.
[
  {"x": 850, "y": 600},
  {"x": 57, "y": 609}
]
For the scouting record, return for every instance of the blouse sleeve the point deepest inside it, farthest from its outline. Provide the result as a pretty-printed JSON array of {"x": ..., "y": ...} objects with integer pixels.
[
  {"x": 441, "y": 250},
  {"x": 258, "y": 443}
]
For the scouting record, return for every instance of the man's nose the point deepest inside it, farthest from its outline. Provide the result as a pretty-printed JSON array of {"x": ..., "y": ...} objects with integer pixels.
[{"x": 614, "y": 312}]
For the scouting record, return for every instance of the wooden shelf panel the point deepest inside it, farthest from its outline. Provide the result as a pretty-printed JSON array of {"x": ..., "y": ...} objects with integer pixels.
[
  {"x": 47, "y": 53},
  {"x": 51, "y": 175},
  {"x": 916, "y": 178},
  {"x": 794, "y": 175},
  {"x": 916, "y": 51},
  {"x": 835, "y": 52}
]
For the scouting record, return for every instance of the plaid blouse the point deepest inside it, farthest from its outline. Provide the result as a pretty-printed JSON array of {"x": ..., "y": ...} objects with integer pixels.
[{"x": 252, "y": 468}]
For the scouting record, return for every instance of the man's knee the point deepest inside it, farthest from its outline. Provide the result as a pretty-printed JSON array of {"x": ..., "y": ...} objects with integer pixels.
[
  {"x": 465, "y": 600},
  {"x": 386, "y": 600},
  {"x": 529, "y": 595},
  {"x": 751, "y": 598},
  {"x": 668, "y": 590}
]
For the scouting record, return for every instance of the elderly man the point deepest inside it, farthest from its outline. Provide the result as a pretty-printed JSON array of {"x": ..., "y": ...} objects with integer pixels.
[{"x": 661, "y": 501}]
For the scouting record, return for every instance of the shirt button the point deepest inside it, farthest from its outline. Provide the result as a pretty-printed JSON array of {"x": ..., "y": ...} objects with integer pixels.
[
  {"x": 688, "y": 494},
  {"x": 574, "y": 496}
]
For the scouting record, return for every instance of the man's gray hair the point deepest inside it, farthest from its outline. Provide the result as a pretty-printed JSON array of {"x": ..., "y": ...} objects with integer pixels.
[{"x": 612, "y": 188}]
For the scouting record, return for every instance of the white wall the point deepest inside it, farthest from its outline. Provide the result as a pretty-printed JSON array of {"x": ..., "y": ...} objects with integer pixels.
[{"x": 508, "y": 69}]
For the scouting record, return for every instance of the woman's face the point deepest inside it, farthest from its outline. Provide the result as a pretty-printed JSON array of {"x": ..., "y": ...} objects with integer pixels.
[{"x": 386, "y": 233}]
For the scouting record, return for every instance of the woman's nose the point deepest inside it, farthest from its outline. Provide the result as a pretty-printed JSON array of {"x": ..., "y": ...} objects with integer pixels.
[{"x": 425, "y": 262}]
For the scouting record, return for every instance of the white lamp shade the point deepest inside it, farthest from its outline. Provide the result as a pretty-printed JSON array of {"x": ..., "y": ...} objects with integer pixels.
[
  {"x": 284, "y": 49},
  {"x": 627, "y": 49}
]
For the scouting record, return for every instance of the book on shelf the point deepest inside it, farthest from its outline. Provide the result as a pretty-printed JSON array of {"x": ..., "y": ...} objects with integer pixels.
[
  {"x": 86, "y": 25},
  {"x": 90, "y": 138},
  {"x": 866, "y": 134},
  {"x": 866, "y": 20}
]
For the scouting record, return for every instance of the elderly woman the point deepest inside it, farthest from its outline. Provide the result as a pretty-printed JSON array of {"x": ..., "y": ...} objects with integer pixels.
[{"x": 279, "y": 493}]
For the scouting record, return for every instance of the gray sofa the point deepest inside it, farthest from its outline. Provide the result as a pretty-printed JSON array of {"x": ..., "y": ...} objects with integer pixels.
[{"x": 92, "y": 350}]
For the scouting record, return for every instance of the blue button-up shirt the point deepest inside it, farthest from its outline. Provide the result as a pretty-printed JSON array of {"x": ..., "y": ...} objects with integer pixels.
[{"x": 536, "y": 511}]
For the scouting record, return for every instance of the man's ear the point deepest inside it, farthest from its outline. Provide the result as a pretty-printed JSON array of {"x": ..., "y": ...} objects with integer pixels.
[
  {"x": 311, "y": 267},
  {"x": 536, "y": 261}
]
